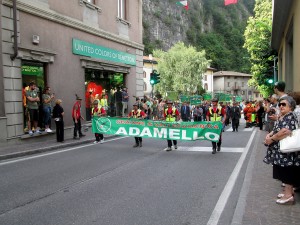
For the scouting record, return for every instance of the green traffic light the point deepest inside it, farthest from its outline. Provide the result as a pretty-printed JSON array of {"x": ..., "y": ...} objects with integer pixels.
[
  {"x": 270, "y": 81},
  {"x": 152, "y": 81}
]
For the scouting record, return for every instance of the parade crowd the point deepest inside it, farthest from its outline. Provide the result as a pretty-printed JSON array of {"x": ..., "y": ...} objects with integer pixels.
[{"x": 277, "y": 115}]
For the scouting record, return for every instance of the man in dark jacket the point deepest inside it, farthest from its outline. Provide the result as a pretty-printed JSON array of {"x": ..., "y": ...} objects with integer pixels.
[
  {"x": 235, "y": 115},
  {"x": 185, "y": 112}
]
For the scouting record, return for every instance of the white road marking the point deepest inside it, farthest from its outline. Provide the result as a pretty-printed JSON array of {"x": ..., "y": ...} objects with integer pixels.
[
  {"x": 216, "y": 214},
  {"x": 54, "y": 152},
  {"x": 208, "y": 149},
  {"x": 241, "y": 129}
]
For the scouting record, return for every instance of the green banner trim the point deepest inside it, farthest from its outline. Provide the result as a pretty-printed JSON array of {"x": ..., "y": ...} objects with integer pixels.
[
  {"x": 185, "y": 131},
  {"x": 84, "y": 48}
]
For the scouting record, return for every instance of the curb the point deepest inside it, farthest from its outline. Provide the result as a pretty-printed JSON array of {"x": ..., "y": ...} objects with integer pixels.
[{"x": 48, "y": 148}]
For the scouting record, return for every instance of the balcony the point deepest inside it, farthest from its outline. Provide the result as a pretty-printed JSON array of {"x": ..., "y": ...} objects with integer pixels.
[{"x": 235, "y": 88}]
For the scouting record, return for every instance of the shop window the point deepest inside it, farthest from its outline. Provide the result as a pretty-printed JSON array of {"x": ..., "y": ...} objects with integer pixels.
[
  {"x": 206, "y": 87},
  {"x": 145, "y": 74},
  {"x": 106, "y": 87},
  {"x": 145, "y": 86},
  {"x": 243, "y": 84},
  {"x": 228, "y": 84},
  {"x": 205, "y": 77}
]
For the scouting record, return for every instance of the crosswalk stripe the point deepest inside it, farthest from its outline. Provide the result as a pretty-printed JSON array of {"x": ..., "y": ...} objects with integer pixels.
[
  {"x": 243, "y": 129},
  {"x": 206, "y": 149}
]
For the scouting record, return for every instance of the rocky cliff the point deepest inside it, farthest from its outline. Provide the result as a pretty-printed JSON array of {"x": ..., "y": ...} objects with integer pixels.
[{"x": 207, "y": 24}]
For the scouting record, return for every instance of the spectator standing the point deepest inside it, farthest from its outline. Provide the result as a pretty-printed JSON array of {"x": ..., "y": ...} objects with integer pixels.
[
  {"x": 77, "y": 117},
  {"x": 235, "y": 115},
  {"x": 198, "y": 113},
  {"x": 47, "y": 107},
  {"x": 296, "y": 96},
  {"x": 125, "y": 98},
  {"x": 58, "y": 115},
  {"x": 32, "y": 106},
  {"x": 279, "y": 88},
  {"x": 260, "y": 112},
  {"x": 155, "y": 110},
  {"x": 286, "y": 166},
  {"x": 185, "y": 112}
]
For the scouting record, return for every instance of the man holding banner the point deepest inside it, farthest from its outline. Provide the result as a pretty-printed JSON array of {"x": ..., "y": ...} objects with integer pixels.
[
  {"x": 215, "y": 113},
  {"x": 171, "y": 115},
  {"x": 137, "y": 114}
]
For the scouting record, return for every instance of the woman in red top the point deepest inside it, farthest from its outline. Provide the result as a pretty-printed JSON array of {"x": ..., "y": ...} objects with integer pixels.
[{"x": 76, "y": 115}]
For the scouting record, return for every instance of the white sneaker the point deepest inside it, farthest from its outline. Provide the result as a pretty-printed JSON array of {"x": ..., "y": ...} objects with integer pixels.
[
  {"x": 38, "y": 131},
  {"x": 175, "y": 146},
  {"x": 48, "y": 130},
  {"x": 101, "y": 141},
  {"x": 30, "y": 133},
  {"x": 96, "y": 142}
]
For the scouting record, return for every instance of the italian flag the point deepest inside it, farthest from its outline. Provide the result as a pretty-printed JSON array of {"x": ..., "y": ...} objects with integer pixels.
[
  {"x": 184, "y": 4},
  {"x": 228, "y": 2}
]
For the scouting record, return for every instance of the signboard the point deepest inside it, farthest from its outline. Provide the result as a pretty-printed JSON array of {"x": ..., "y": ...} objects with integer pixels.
[
  {"x": 196, "y": 100},
  {"x": 238, "y": 98},
  {"x": 185, "y": 131},
  {"x": 184, "y": 98},
  {"x": 32, "y": 70},
  {"x": 172, "y": 95},
  {"x": 84, "y": 48},
  {"x": 207, "y": 96}
]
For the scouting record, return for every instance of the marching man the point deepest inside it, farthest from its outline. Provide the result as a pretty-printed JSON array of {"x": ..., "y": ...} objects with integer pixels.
[
  {"x": 171, "y": 115},
  {"x": 136, "y": 113},
  {"x": 215, "y": 113}
]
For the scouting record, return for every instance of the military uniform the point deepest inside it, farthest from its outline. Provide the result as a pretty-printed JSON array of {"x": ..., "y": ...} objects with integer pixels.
[
  {"x": 171, "y": 114},
  {"x": 137, "y": 114},
  {"x": 215, "y": 113}
]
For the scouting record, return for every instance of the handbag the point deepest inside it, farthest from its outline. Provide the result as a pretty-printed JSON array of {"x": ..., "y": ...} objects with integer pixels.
[{"x": 291, "y": 143}]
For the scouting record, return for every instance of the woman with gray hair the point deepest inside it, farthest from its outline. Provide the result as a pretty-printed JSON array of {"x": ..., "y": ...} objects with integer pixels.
[{"x": 286, "y": 166}]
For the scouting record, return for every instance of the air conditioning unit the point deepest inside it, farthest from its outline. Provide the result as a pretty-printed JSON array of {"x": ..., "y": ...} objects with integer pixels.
[{"x": 35, "y": 39}]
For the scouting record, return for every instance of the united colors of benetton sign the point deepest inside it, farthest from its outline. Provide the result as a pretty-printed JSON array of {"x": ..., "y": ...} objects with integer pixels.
[{"x": 84, "y": 48}]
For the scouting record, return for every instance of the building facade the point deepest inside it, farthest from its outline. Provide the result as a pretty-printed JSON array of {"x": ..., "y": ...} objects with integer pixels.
[
  {"x": 72, "y": 47},
  {"x": 208, "y": 80},
  {"x": 149, "y": 64},
  {"x": 285, "y": 40},
  {"x": 236, "y": 84}
]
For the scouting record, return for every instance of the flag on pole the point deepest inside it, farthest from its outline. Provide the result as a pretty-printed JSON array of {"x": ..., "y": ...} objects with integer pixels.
[
  {"x": 184, "y": 4},
  {"x": 228, "y": 2}
]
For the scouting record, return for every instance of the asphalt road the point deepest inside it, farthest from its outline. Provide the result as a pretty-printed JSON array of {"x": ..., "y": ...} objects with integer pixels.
[{"x": 115, "y": 184}]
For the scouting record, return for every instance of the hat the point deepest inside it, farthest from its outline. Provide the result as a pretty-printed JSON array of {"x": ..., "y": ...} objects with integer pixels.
[
  {"x": 78, "y": 98},
  {"x": 169, "y": 102},
  {"x": 214, "y": 100}
]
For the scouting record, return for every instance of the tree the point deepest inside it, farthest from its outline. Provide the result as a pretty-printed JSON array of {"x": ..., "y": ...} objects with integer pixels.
[
  {"x": 181, "y": 69},
  {"x": 257, "y": 43}
]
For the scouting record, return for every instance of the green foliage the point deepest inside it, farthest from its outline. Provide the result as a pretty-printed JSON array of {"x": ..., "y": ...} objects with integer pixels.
[
  {"x": 181, "y": 69},
  {"x": 258, "y": 39}
]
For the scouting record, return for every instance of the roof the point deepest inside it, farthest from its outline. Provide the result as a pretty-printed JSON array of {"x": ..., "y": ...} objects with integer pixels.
[
  {"x": 231, "y": 73},
  {"x": 281, "y": 12}
]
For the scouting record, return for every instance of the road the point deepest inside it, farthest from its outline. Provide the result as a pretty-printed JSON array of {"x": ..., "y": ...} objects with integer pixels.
[{"x": 115, "y": 184}]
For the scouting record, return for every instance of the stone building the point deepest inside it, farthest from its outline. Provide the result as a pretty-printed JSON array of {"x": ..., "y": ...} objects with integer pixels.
[
  {"x": 236, "y": 84},
  {"x": 72, "y": 47},
  {"x": 285, "y": 40}
]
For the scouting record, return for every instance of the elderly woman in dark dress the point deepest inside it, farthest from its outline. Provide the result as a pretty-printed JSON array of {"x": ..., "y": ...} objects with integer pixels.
[{"x": 286, "y": 166}]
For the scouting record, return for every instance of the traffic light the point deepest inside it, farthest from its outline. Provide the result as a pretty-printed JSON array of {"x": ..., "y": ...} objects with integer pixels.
[
  {"x": 152, "y": 79},
  {"x": 270, "y": 81}
]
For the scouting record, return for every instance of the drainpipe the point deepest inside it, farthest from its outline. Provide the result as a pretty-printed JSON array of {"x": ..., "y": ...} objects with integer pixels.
[{"x": 15, "y": 31}]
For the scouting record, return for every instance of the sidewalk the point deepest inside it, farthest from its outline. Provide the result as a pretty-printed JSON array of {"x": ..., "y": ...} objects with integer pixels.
[
  {"x": 44, "y": 142},
  {"x": 257, "y": 204}
]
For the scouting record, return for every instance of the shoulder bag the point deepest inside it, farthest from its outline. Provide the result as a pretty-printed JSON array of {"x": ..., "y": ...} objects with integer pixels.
[{"x": 291, "y": 143}]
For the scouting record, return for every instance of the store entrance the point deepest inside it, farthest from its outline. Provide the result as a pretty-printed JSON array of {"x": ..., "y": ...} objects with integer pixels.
[
  {"x": 105, "y": 86},
  {"x": 33, "y": 72}
]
